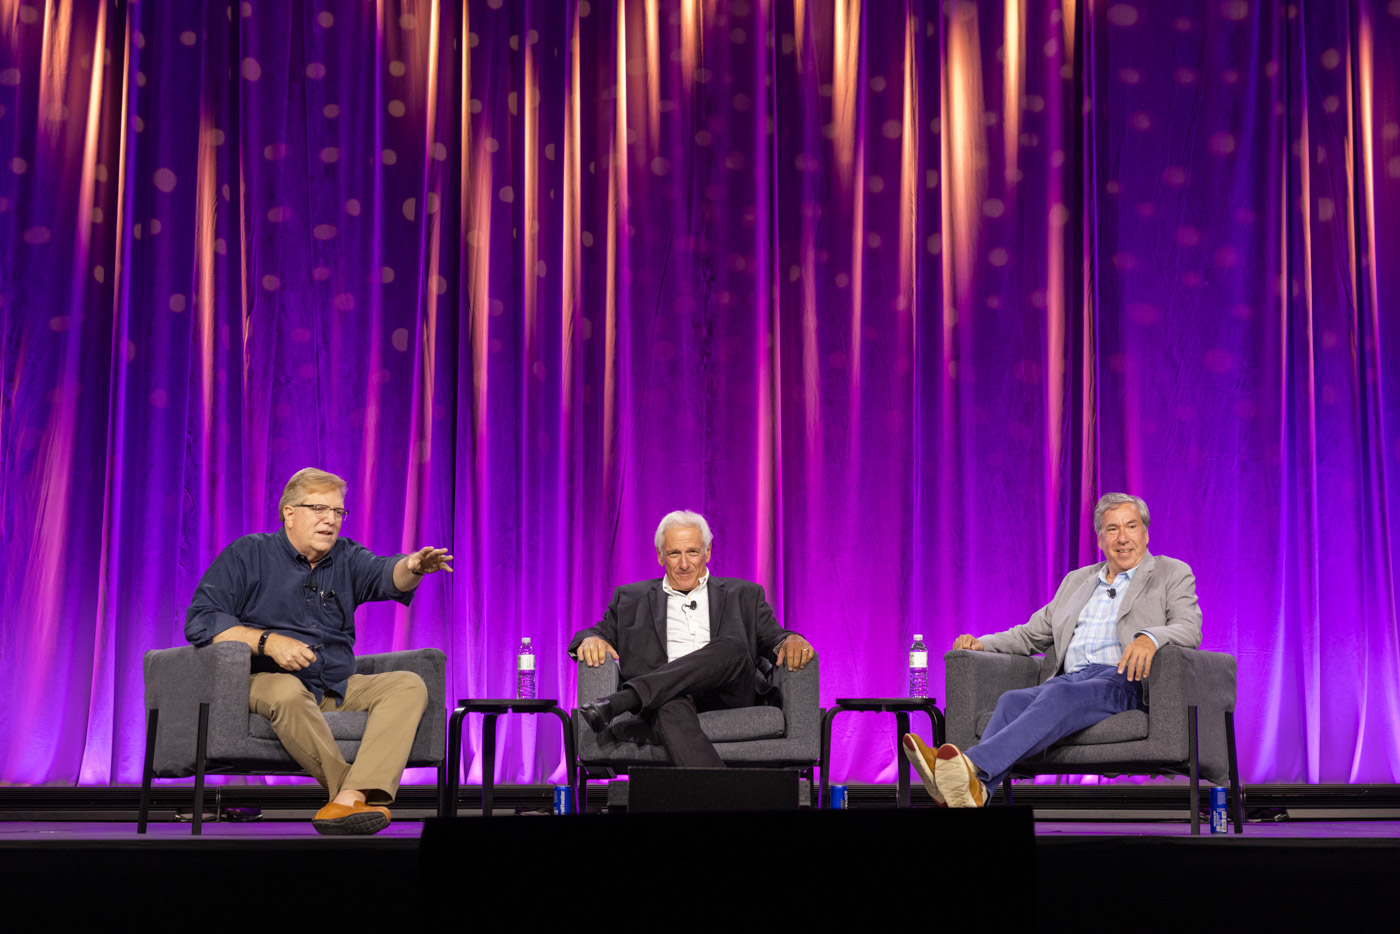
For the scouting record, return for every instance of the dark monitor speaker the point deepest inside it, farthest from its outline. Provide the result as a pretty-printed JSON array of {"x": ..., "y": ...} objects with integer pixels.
[{"x": 657, "y": 791}]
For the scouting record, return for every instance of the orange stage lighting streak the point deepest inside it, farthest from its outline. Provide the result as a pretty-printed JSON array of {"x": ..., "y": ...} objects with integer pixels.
[
  {"x": 1366, "y": 129},
  {"x": 572, "y": 241},
  {"x": 87, "y": 181},
  {"x": 1013, "y": 77},
  {"x": 1069, "y": 9},
  {"x": 617, "y": 228},
  {"x": 909, "y": 166},
  {"x": 799, "y": 29},
  {"x": 530, "y": 201},
  {"x": 653, "y": 76},
  {"x": 963, "y": 161},
  {"x": 54, "y": 65},
  {"x": 845, "y": 75},
  {"x": 690, "y": 44}
]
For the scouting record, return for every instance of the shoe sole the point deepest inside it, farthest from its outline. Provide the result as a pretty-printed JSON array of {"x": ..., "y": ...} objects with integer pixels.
[
  {"x": 957, "y": 778},
  {"x": 915, "y": 755},
  {"x": 594, "y": 719},
  {"x": 359, "y": 823}
]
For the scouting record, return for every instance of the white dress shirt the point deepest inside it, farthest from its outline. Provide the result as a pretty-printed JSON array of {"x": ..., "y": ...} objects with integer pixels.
[{"x": 687, "y": 618}]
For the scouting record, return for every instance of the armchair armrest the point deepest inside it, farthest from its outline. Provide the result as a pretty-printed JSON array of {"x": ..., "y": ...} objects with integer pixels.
[
  {"x": 1182, "y": 677},
  {"x": 178, "y": 680},
  {"x": 430, "y": 665},
  {"x": 801, "y": 694},
  {"x": 594, "y": 683},
  {"x": 973, "y": 682}
]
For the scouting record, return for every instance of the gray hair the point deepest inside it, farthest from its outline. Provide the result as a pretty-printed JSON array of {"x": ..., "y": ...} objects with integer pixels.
[
  {"x": 683, "y": 518},
  {"x": 308, "y": 480},
  {"x": 1110, "y": 500}
]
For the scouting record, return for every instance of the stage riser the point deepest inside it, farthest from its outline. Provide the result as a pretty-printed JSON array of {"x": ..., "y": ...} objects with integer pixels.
[{"x": 1111, "y": 802}]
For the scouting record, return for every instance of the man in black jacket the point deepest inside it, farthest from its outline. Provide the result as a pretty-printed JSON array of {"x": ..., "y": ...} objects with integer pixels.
[{"x": 686, "y": 643}]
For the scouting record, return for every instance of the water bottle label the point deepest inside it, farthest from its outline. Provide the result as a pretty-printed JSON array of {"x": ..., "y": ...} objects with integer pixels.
[
  {"x": 525, "y": 663},
  {"x": 918, "y": 659}
]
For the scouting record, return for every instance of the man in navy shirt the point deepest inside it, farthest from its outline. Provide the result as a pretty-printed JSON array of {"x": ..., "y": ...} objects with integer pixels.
[{"x": 290, "y": 596}]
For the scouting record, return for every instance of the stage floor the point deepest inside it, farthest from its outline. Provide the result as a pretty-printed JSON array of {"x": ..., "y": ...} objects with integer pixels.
[{"x": 272, "y": 830}]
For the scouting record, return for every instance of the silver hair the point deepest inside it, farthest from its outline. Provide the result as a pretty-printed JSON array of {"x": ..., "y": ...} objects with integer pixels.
[
  {"x": 1110, "y": 500},
  {"x": 683, "y": 518}
]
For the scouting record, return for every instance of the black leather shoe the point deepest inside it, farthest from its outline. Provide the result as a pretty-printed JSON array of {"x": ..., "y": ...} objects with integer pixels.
[{"x": 598, "y": 714}]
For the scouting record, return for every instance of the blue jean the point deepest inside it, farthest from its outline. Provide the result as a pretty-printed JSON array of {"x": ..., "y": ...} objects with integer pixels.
[{"x": 1029, "y": 720}]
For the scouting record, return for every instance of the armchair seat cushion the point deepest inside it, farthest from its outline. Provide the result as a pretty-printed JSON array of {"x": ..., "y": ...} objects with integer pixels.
[
  {"x": 1119, "y": 728},
  {"x": 720, "y": 726},
  {"x": 743, "y": 723},
  {"x": 345, "y": 725}
]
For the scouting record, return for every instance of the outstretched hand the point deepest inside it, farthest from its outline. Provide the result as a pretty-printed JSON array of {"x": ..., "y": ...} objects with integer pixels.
[{"x": 428, "y": 560}]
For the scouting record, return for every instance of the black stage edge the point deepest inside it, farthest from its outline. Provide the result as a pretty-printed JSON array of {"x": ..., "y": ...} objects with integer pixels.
[
  {"x": 721, "y": 871},
  {"x": 852, "y": 870},
  {"x": 416, "y": 801}
]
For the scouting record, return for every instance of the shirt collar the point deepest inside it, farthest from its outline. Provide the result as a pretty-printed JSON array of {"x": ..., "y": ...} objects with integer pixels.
[
  {"x": 301, "y": 559},
  {"x": 1103, "y": 574},
  {"x": 671, "y": 591}
]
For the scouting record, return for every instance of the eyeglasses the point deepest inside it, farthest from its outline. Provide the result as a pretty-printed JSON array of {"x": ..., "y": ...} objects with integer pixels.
[{"x": 321, "y": 509}]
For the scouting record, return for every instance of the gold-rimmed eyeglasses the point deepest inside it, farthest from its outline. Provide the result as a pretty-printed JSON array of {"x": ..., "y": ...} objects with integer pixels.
[{"x": 321, "y": 509}]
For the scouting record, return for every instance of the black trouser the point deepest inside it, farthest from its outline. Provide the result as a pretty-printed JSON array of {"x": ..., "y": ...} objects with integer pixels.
[{"x": 721, "y": 676}]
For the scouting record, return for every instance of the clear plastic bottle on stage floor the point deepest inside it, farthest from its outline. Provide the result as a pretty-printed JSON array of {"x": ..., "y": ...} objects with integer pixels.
[{"x": 525, "y": 671}]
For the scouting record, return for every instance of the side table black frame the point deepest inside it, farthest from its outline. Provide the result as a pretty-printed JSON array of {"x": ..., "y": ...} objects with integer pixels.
[
  {"x": 493, "y": 708},
  {"x": 901, "y": 708}
]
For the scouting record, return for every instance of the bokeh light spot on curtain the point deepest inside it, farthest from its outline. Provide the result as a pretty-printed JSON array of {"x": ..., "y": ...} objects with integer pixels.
[{"x": 890, "y": 291}]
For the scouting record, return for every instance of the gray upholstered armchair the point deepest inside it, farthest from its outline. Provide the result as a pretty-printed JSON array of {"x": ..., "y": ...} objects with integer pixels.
[
  {"x": 788, "y": 736},
  {"x": 1188, "y": 728},
  {"x": 198, "y": 721}
]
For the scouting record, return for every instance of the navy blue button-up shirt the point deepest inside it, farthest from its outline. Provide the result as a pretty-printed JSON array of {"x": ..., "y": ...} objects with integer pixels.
[{"x": 262, "y": 581}]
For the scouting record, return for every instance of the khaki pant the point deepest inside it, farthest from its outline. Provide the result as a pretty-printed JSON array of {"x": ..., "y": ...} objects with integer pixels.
[{"x": 395, "y": 701}]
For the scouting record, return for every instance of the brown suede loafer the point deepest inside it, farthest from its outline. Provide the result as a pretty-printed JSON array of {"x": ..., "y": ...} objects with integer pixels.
[{"x": 359, "y": 818}]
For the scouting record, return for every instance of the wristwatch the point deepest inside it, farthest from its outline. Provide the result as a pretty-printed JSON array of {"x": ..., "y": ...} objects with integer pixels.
[{"x": 262, "y": 643}]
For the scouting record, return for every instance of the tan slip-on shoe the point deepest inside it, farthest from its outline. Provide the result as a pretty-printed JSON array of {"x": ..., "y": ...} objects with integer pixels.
[
  {"x": 359, "y": 818},
  {"x": 922, "y": 758},
  {"x": 957, "y": 779}
]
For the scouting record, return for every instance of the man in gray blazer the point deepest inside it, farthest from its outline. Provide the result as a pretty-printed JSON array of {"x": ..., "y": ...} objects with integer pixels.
[{"x": 1104, "y": 626}]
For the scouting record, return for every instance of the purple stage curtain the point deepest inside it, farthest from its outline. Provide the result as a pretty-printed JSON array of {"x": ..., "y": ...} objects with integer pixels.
[{"x": 891, "y": 291}]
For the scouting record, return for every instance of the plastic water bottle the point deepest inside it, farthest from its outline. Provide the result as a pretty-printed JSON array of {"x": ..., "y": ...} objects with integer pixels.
[
  {"x": 918, "y": 667},
  {"x": 525, "y": 671}
]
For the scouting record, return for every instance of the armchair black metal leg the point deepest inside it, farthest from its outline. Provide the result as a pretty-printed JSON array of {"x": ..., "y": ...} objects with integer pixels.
[
  {"x": 201, "y": 749},
  {"x": 901, "y": 786},
  {"x": 1193, "y": 749},
  {"x": 488, "y": 762},
  {"x": 583, "y": 791},
  {"x": 1236, "y": 789},
  {"x": 936, "y": 725},
  {"x": 827, "y": 716},
  {"x": 442, "y": 789},
  {"x": 454, "y": 759},
  {"x": 148, "y": 773},
  {"x": 1006, "y": 785},
  {"x": 570, "y": 761}
]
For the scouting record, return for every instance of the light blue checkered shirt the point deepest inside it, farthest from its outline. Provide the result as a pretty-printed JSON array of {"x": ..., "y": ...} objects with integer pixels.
[{"x": 1095, "y": 640}]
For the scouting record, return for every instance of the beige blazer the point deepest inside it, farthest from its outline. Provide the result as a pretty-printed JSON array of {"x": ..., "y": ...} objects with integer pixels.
[{"x": 1160, "y": 601}]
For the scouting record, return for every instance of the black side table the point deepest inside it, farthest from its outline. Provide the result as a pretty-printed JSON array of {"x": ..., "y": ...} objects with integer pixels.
[
  {"x": 493, "y": 708},
  {"x": 900, "y": 707}
]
